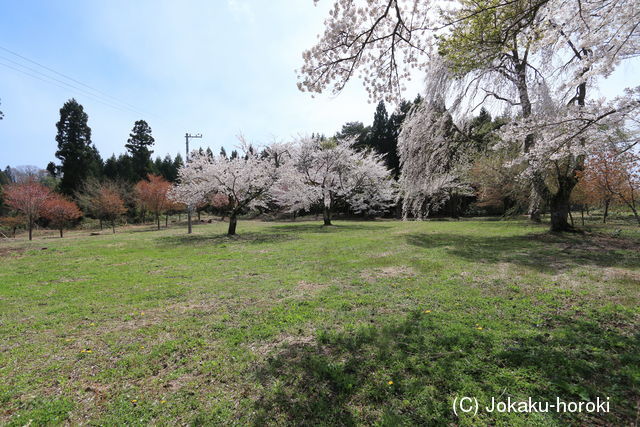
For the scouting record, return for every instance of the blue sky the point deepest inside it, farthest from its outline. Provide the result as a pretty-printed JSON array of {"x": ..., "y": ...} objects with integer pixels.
[{"x": 220, "y": 67}]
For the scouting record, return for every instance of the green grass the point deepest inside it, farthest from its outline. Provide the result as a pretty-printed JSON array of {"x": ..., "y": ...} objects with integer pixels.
[{"x": 294, "y": 323}]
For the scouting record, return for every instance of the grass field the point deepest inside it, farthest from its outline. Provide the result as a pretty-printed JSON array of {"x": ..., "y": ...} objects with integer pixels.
[{"x": 290, "y": 323}]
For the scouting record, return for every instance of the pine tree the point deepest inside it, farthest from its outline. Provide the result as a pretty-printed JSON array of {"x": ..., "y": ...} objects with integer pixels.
[
  {"x": 79, "y": 157},
  {"x": 177, "y": 164},
  {"x": 110, "y": 169},
  {"x": 223, "y": 152},
  {"x": 138, "y": 144},
  {"x": 390, "y": 145},
  {"x": 355, "y": 130}
]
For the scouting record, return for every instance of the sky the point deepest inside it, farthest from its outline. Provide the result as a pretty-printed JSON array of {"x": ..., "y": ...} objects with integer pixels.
[
  {"x": 220, "y": 68},
  {"x": 216, "y": 67}
]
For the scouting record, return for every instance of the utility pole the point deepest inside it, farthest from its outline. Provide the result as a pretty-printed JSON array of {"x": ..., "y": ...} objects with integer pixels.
[{"x": 188, "y": 136}]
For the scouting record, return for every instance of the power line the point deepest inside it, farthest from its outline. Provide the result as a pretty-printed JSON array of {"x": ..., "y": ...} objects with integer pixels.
[
  {"x": 98, "y": 93},
  {"x": 51, "y": 80}
]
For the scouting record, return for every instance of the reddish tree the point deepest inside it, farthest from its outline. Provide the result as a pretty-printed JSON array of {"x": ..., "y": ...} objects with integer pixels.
[
  {"x": 221, "y": 202},
  {"x": 27, "y": 198},
  {"x": 60, "y": 211},
  {"x": 152, "y": 193},
  {"x": 111, "y": 206},
  {"x": 609, "y": 176}
]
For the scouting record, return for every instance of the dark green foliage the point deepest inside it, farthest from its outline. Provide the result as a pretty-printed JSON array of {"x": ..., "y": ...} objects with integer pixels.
[
  {"x": 223, "y": 152},
  {"x": 138, "y": 144},
  {"x": 355, "y": 130},
  {"x": 52, "y": 169},
  {"x": 382, "y": 135},
  {"x": 79, "y": 157},
  {"x": 481, "y": 130},
  {"x": 393, "y": 131},
  {"x": 167, "y": 168},
  {"x": 121, "y": 168}
]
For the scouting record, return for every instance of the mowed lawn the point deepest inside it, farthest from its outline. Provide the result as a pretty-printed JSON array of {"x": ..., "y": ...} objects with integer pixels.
[{"x": 289, "y": 323}]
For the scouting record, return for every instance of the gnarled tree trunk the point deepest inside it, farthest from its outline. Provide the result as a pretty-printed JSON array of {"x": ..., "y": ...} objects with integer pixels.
[
  {"x": 233, "y": 222},
  {"x": 559, "y": 204}
]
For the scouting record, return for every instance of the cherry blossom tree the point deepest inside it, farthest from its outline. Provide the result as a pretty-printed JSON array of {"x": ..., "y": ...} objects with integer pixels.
[
  {"x": 28, "y": 198},
  {"x": 539, "y": 56},
  {"x": 60, "y": 211},
  {"x": 327, "y": 170},
  {"x": 152, "y": 193},
  {"x": 246, "y": 181}
]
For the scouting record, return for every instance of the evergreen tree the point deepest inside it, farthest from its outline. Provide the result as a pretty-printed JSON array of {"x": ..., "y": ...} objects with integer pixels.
[
  {"x": 209, "y": 152},
  {"x": 79, "y": 157},
  {"x": 138, "y": 144},
  {"x": 223, "y": 152},
  {"x": 390, "y": 146},
  {"x": 52, "y": 169},
  {"x": 355, "y": 130},
  {"x": 177, "y": 164},
  {"x": 168, "y": 169},
  {"x": 157, "y": 167},
  {"x": 110, "y": 169}
]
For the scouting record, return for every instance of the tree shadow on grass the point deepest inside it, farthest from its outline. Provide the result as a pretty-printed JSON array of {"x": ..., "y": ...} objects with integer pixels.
[
  {"x": 407, "y": 372},
  {"x": 545, "y": 252},
  {"x": 223, "y": 239},
  {"x": 318, "y": 227}
]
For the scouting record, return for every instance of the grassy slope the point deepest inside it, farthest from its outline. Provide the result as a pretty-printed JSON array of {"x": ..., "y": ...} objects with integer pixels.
[{"x": 293, "y": 322}]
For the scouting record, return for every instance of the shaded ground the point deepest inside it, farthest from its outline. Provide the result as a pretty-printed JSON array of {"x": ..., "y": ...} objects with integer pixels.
[{"x": 294, "y": 323}]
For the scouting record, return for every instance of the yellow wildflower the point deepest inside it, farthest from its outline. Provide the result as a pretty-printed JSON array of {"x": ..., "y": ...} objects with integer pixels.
[{"x": 390, "y": 382}]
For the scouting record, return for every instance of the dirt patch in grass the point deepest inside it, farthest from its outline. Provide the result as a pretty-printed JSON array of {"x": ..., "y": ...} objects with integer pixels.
[
  {"x": 309, "y": 287},
  {"x": 8, "y": 251},
  {"x": 401, "y": 271},
  {"x": 281, "y": 342}
]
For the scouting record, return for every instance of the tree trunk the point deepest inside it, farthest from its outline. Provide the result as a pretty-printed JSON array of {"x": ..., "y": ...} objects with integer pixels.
[
  {"x": 326, "y": 210},
  {"x": 571, "y": 217},
  {"x": 100, "y": 219},
  {"x": 535, "y": 202},
  {"x": 198, "y": 215},
  {"x": 113, "y": 226},
  {"x": 30, "y": 230},
  {"x": 606, "y": 211},
  {"x": 166, "y": 221},
  {"x": 560, "y": 205},
  {"x": 61, "y": 236},
  {"x": 189, "y": 228},
  {"x": 233, "y": 221},
  {"x": 326, "y": 215},
  {"x": 158, "y": 220},
  {"x": 582, "y": 214}
]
